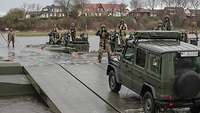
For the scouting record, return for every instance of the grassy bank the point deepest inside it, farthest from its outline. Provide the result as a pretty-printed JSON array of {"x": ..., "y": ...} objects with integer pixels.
[
  {"x": 31, "y": 33},
  {"x": 40, "y": 33}
]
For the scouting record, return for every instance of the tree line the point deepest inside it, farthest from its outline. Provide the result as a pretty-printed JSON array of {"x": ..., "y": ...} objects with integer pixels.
[
  {"x": 16, "y": 17},
  {"x": 152, "y": 4}
]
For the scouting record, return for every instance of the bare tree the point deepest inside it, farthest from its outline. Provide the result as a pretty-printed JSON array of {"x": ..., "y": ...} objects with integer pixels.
[
  {"x": 80, "y": 4},
  {"x": 71, "y": 6},
  {"x": 30, "y": 7},
  {"x": 168, "y": 3},
  {"x": 65, "y": 4},
  {"x": 185, "y": 3},
  {"x": 122, "y": 8},
  {"x": 195, "y": 3},
  {"x": 135, "y": 4},
  {"x": 151, "y": 4},
  {"x": 181, "y": 3}
]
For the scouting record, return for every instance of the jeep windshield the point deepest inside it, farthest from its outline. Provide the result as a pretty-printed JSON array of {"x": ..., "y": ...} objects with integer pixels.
[{"x": 187, "y": 63}]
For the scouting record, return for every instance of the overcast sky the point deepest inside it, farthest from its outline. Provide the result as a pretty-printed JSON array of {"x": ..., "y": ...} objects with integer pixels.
[{"x": 6, "y": 5}]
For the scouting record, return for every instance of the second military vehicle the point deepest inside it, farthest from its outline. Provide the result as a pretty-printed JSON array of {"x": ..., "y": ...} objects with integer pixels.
[
  {"x": 65, "y": 43},
  {"x": 160, "y": 68}
]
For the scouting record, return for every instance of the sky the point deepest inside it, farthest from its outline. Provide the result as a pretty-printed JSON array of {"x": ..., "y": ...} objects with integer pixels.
[{"x": 6, "y": 5}]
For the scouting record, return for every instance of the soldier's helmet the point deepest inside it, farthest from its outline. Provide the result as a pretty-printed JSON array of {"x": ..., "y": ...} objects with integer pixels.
[
  {"x": 122, "y": 21},
  {"x": 10, "y": 29},
  {"x": 55, "y": 29},
  {"x": 73, "y": 24},
  {"x": 194, "y": 24},
  {"x": 160, "y": 22},
  {"x": 167, "y": 18},
  {"x": 103, "y": 26}
]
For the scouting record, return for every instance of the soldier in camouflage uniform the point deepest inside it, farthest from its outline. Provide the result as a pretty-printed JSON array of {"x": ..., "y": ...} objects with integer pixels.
[
  {"x": 160, "y": 26},
  {"x": 11, "y": 37},
  {"x": 104, "y": 42},
  {"x": 167, "y": 24},
  {"x": 57, "y": 39},
  {"x": 73, "y": 31},
  {"x": 122, "y": 31}
]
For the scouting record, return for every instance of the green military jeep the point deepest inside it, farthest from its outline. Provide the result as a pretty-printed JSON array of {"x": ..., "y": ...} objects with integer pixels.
[{"x": 160, "y": 68}]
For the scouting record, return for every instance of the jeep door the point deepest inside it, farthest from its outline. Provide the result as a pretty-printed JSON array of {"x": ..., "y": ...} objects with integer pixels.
[
  {"x": 125, "y": 67},
  {"x": 138, "y": 69}
]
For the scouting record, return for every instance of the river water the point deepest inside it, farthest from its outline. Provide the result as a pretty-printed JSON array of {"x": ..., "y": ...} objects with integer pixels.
[{"x": 38, "y": 56}]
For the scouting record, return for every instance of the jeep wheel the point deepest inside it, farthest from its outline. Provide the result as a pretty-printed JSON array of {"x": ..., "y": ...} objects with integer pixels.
[
  {"x": 114, "y": 86},
  {"x": 187, "y": 85},
  {"x": 148, "y": 103}
]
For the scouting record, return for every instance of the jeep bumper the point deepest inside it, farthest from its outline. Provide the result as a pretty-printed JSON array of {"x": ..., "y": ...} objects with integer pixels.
[{"x": 178, "y": 103}]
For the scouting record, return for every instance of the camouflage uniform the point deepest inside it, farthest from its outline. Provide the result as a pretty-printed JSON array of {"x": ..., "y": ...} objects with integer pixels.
[
  {"x": 114, "y": 40},
  {"x": 73, "y": 31},
  {"x": 11, "y": 37},
  {"x": 160, "y": 26},
  {"x": 104, "y": 43},
  {"x": 66, "y": 38},
  {"x": 167, "y": 24},
  {"x": 122, "y": 31},
  {"x": 57, "y": 39}
]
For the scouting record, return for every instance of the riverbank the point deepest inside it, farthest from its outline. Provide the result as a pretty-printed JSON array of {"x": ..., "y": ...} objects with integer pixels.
[
  {"x": 43, "y": 33},
  {"x": 40, "y": 33},
  {"x": 30, "y": 33}
]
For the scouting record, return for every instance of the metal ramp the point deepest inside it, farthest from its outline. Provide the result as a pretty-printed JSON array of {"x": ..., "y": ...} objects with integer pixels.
[
  {"x": 13, "y": 81},
  {"x": 63, "y": 93},
  {"x": 94, "y": 76}
]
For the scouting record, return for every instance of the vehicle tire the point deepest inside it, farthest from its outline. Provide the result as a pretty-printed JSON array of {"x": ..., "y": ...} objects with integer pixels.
[
  {"x": 114, "y": 86},
  {"x": 195, "y": 109},
  {"x": 187, "y": 85},
  {"x": 149, "y": 105}
]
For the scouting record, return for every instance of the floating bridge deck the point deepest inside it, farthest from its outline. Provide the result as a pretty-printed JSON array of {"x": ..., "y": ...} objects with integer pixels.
[{"x": 78, "y": 88}]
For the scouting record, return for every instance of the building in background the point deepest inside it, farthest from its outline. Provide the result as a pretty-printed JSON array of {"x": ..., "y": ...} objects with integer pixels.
[
  {"x": 104, "y": 10},
  {"x": 140, "y": 12},
  {"x": 47, "y": 12}
]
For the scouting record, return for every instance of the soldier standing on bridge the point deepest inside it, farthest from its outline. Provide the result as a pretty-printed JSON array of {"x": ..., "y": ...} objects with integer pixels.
[
  {"x": 160, "y": 26},
  {"x": 104, "y": 43},
  {"x": 167, "y": 24},
  {"x": 122, "y": 31},
  {"x": 11, "y": 37},
  {"x": 57, "y": 39},
  {"x": 73, "y": 31}
]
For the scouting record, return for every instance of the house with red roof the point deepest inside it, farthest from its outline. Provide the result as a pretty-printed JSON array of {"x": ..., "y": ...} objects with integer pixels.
[{"x": 104, "y": 10}]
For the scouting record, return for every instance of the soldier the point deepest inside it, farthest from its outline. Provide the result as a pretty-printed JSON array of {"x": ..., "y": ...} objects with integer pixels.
[
  {"x": 51, "y": 37},
  {"x": 57, "y": 39},
  {"x": 167, "y": 24},
  {"x": 122, "y": 31},
  {"x": 66, "y": 38},
  {"x": 114, "y": 40},
  {"x": 11, "y": 37},
  {"x": 160, "y": 25},
  {"x": 73, "y": 31},
  {"x": 104, "y": 44}
]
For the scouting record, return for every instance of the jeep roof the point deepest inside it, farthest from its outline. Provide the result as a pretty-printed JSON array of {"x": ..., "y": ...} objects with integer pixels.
[{"x": 162, "y": 41}]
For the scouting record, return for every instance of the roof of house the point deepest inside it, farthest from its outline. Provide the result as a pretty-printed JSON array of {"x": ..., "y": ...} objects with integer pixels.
[
  {"x": 49, "y": 7},
  {"x": 53, "y": 6},
  {"x": 173, "y": 8},
  {"x": 195, "y": 11},
  {"x": 106, "y": 7},
  {"x": 141, "y": 10}
]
